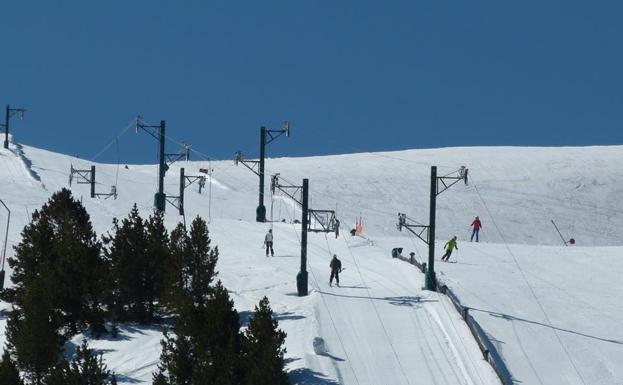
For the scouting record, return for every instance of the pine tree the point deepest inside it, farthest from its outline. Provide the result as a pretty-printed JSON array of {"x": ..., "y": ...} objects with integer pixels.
[
  {"x": 204, "y": 347},
  {"x": 220, "y": 339},
  {"x": 87, "y": 368},
  {"x": 127, "y": 257},
  {"x": 200, "y": 264},
  {"x": 157, "y": 257},
  {"x": 191, "y": 266},
  {"x": 263, "y": 351},
  {"x": 32, "y": 332},
  {"x": 9, "y": 375},
  {"x": 60, "y": 244},
  {"x": 159, "y": 379},
  {"x": 173, "y": 280}
]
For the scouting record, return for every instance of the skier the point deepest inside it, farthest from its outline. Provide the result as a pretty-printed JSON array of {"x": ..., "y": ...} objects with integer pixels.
[
  {"x": 337, "y": 228},
  {"x": 268, "y": 241},
  {"x": 450, "y": 245},
  {"x": 477, "y": 226},
  {"x": 336, "y": 268}
]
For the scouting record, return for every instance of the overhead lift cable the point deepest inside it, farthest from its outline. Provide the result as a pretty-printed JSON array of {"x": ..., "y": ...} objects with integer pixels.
[
  {"x": 533, "y": 293},
  {"x": 339, "y": 337}
]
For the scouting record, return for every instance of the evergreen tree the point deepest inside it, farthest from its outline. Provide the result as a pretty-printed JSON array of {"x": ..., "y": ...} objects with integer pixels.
[
  {"x": 157, "y": 257},
  {"x": 87, "y": 368},
  {"x": 127, "y": 257},
  {"x": 173, "y": 281},
  {"x": 205, "y": 345},
  {"x": 59, "y": 245},
  {"x": 61, "y": 374},
  {"x": 200, "y": 264},
  {"x": 32, "y": 332},
  {"x": 191, "y": 266},
  {"x": 263, "y": 351},
  {"x": 9, "y": 375},
  {"x": 220, "y": 339},
  {"x": 159, "y": 379}
]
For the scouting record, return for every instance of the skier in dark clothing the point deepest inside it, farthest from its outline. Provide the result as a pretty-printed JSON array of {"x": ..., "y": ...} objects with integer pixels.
[
  {"x": 336, "y": 268},
  {"x": 450, "y": 245},
  {"x": 477, "y": 226},
  {"x": 268, "y": 241}
]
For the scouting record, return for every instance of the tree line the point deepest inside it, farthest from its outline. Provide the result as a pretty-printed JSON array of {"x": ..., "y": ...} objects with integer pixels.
[{"x": 67, "y": 281}]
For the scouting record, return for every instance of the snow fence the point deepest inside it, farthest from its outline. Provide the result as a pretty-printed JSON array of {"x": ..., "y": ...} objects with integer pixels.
[{"x": 488, "y": 349}]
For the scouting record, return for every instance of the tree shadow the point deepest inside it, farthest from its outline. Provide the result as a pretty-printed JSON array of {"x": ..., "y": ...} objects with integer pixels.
[
  {"x": 127, "y": 379},
  {"x": 397, "y": 301},
  {"x": 245, "y": 317},
  {"x": 287, "y": 316},
  {"x": 305, "y": 376},
  {"x": 513, "y": 318},
  {"x": 354, "y": 287},
  {"x": 334, "y": 358},
  {"x": 125, "y": 332}
]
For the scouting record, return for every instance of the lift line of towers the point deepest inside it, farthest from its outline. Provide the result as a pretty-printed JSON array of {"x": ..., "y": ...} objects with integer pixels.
[{"x": 312, "y": 220}]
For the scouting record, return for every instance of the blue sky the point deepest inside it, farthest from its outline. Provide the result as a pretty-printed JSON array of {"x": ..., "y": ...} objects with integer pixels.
[{"x": 349, "y": 75}]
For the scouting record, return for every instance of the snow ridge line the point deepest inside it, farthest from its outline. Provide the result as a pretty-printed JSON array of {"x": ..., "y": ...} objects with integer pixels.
[
  {"x": 27, "y": 163},
  {"x": 488, "y": 349}
]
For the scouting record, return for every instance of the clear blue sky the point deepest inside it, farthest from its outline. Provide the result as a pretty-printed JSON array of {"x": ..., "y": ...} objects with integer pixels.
[{"x": 350, "y": 75}]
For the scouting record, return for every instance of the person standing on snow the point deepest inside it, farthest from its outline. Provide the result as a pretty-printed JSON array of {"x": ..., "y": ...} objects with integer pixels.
[
  {"x": 336, "y": 268},
  {"x": 268, "y": 241},
  {"x": 450, "y": 245},
  {"x": 477, "y": 226}
]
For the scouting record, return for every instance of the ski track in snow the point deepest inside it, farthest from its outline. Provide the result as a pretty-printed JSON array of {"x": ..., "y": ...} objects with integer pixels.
[{"x": 380, "y": 327}]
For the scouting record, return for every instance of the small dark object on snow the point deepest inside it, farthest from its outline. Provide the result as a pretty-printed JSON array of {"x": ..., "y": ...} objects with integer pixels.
[
  {"x": 572, "y": 241},
  {"x": 396, "y": 251},
  {"x": 353, "y": 232}
]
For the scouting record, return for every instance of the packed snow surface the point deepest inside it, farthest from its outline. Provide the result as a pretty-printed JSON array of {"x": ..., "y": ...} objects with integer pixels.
[{"x": 554, "y": 312}]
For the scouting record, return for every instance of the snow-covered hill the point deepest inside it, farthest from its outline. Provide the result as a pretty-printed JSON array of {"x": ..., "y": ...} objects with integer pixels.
[{"x": 554, "y": 311}]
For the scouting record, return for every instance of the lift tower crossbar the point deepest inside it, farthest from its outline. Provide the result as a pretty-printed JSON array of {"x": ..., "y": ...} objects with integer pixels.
[
  {"x": 266, "y": 136},
  {"x": 325, "y": 218},
  {"x": 9, "y": 112},
  {"x": 438, "y": 184},
  {"x": 88, "y": 177},
  {"x": 185, "y": 181}
]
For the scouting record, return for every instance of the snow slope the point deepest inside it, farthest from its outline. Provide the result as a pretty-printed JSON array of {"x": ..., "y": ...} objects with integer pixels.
[{"x": 554, "y": 312}]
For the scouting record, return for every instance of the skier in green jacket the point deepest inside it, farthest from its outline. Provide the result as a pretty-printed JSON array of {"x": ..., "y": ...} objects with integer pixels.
[{"x": 450, "y": 245}]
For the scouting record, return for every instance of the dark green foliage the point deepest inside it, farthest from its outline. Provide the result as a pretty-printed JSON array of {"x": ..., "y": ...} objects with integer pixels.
[
  {"x": 32, "y": 332},
  {"x": 61, "y": 375},
  {"x": 263, "y": 351},
  {"x": 60, "y": 246},
  {"x": 173, "y": 282},
  {"x": 156, "y": 259},
  {"x": 9, "y": 375},
  {"x": 159, "y": 379},
  {"x": 127, "y": 257},
  {"x": 191, "y": 266},
  {"x": 87, "y": 368},
  {"x": 200, "y": 264},
  {"x": 206, "y": 343}
]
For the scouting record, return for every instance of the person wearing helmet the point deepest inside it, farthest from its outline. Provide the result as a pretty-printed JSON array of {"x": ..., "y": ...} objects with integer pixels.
[
  {"x": 268, "y": 241},
  {"x": 450, "y": 245},
  {"x": 336, "y": 268},
  {"x": 477, "y": 226}
]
